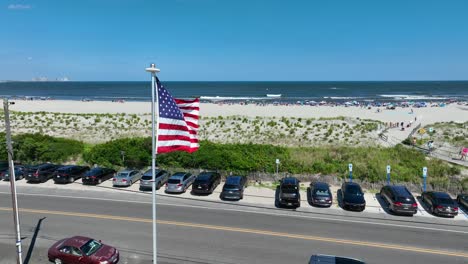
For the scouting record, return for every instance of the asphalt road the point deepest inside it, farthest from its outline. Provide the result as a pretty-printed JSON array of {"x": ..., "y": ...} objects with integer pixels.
[{"x": 201, "y": 232}]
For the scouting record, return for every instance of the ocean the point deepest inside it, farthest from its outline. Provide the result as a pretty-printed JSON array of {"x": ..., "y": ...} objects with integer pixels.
[{"x": 289, "y": 91}]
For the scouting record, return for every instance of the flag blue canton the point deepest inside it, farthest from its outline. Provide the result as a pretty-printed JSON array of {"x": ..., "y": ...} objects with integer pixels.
[{"x": 167, "y": 105}]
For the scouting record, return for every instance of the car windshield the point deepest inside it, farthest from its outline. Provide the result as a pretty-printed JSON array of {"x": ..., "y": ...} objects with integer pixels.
[
  {"x": 404, "y": 199},
  {"x": 94, "y": 171},
  {"x": 122, "y": 174},
  {"x": 90, "y": 247},
  {"x": 231, "y": 186},
  {"x": 289, "y": 188},
  {"x": 322, "y": 192},
  {"x": 354, "y": 189},
  {"x": 173, "y": 181},
  {"x": 444, "y": 201},
  {"x": 147, "y": 177}
]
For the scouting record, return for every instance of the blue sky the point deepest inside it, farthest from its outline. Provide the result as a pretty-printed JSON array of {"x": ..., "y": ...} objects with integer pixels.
[{"x": 235, "y": 40}]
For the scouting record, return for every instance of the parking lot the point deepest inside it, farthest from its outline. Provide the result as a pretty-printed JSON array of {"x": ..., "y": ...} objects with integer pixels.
[{"x": 259, "y": 196}]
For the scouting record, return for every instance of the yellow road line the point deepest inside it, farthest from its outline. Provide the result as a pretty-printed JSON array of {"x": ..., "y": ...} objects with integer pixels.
[{"x": 248, "y": 231}]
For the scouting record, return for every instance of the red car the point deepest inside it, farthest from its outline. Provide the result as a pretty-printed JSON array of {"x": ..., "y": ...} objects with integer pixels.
[{"x": 82, "y": 250}]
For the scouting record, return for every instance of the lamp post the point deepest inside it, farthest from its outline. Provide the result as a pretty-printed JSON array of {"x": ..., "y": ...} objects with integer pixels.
[
  {"x": 11, "y": 165},
  {"x": 122, "y": 153},
  {"x": 350, "y": 166},
  {"x": 153, "y": 70},
  {"x": 424, "y": 178},
  {"x": 388, "y": 174}
]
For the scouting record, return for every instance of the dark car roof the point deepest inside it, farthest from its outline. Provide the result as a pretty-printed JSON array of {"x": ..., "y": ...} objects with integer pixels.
[
  {"x": 441, "y": 195},
  {"x": 67, "y": 167},
  {"x": 205, "y": 175},
  {"x": 320, "y": 185},
  {"x": 233, "y": 180},
  {"x": 77, "y": 241},
  {"x": 41, "y": 165},
  {"x": 351, "y": 184},
  {"x": 290, "y": 180}
]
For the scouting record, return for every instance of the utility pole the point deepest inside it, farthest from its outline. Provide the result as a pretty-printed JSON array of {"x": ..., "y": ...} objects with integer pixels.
[{"x": 19, "y": 259}]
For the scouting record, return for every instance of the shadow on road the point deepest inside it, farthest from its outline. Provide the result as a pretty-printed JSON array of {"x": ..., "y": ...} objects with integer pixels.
[
  {"x": 33, "y": 241},
  {"x": 339, "y": 198}
]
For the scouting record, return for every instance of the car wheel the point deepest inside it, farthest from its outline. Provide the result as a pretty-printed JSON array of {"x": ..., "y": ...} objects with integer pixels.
[
  {"x": 158, "y": 186},
  {"x": 58, "y": 261}
]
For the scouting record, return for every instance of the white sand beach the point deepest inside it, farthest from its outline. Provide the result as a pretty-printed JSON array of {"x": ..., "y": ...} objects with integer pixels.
[{"x": 427, "y": 115}]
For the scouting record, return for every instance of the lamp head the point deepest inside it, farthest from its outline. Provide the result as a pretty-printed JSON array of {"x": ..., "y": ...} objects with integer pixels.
[{"x": 152, "y": 68}]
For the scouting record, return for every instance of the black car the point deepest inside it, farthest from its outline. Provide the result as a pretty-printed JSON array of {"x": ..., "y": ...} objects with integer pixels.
[
  {"x": 399, "y": 199},
  {"x": 97, "y": 175},
  {"x": 352, "y": 196},
  {"x": 320, "y": 194},
  {"x": 69, "y": 173},
  {"x": 206, "y": 182},
  {"x": 440, "y": 203},
  {"x": 233, "y": 188},
  {"x": 19, "y": 173},
  {"x": 462, "y": 200},
  {"x": 288, "y": 192},
  {"x": 41, "y": 173}
]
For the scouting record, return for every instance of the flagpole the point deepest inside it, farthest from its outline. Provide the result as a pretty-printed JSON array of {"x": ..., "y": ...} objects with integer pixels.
[{"x": 154, "y": 97}]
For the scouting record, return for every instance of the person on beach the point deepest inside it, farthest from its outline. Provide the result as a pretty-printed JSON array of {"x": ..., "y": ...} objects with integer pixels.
[{"x": 464, "y": 153}]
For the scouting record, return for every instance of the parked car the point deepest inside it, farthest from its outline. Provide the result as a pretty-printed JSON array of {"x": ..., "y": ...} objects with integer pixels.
[
  {"x": 4, "y": 165},
  {"x": 288, "y": 192},
  {"x": 19, "y": 173},
  {"x": 320, "y": 194},
  {"x": 97, "y": 175},
  {"x": 440, "y": 203},
  {"x": 206, "y": 182},
  {"x": 234, "y": 187},
  {"x": 352, "y": 196},
  {"x": 462, "y": 200},
  {"x": 79, "y": 249},
  {"x": 179, "y": 182},
  {"x": 69, "y": 173},
  {"x": 41, "y": 173},
  {"x": 326, "y": 259},
  {"x": 126, "y": 178},
  {"x": 161, "y": 178},
  {"x": 399, "y": 199}
]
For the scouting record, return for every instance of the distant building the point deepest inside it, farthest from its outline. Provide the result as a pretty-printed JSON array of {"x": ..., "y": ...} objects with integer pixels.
[{"x": 40, "y": 79}]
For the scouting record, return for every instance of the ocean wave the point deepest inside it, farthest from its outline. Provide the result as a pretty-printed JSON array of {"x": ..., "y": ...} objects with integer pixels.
[
  {"x": 235, "y": 98},
  {"x": 413, "y": 97},
  {"x": 344, "y": 97}
]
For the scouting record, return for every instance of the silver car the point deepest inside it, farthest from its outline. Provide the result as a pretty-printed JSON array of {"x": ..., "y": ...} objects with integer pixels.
[
  {"x": 179, "y": 182},
  {"x": 161, "y": 178},
  {"x": 126, "y": 178}
]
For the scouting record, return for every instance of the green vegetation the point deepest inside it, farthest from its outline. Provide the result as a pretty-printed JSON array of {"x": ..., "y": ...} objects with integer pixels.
[
  {"x": 33, "y": 148},
  {"x": 369, "y": 162}
]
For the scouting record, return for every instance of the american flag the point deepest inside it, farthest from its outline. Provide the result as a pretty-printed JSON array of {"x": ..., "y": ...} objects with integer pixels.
[{"x": 177, "y": 122}]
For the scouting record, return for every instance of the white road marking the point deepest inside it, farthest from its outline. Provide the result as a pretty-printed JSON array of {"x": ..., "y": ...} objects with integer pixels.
[{"x": 254, "y": 212}]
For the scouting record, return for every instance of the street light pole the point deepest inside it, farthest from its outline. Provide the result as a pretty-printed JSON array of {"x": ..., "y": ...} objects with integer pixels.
[
  {"x": 19, "y": 259},
  {"x": 154, "y": 91}
]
